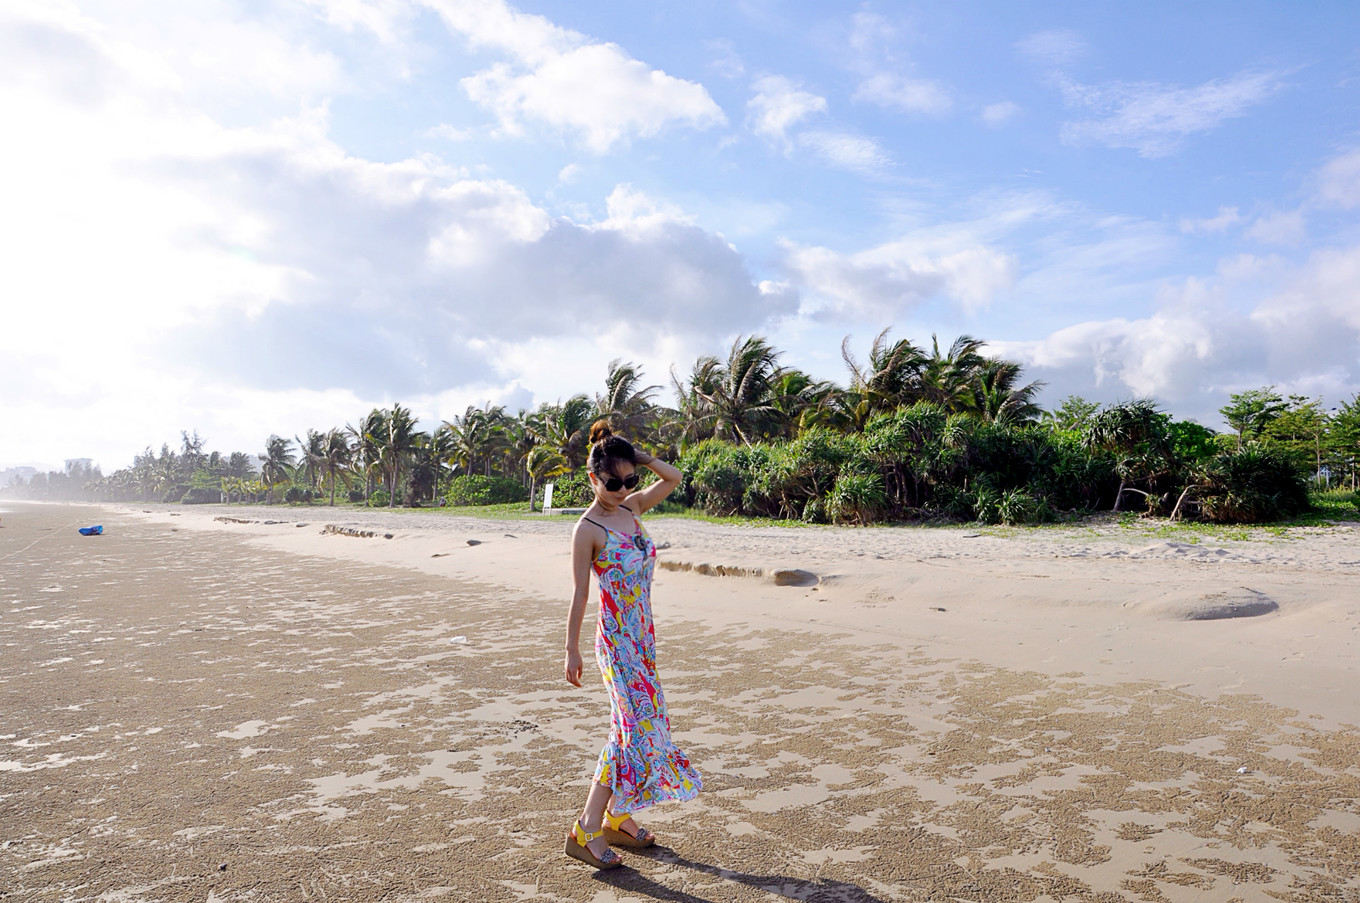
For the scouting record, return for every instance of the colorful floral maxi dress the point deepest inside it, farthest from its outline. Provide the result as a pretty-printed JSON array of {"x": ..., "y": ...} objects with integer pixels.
[{"x": 639, "y": 763}]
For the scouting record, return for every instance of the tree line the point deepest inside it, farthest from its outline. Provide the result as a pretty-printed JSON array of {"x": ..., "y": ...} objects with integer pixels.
[{"x": 916, "y": 431}]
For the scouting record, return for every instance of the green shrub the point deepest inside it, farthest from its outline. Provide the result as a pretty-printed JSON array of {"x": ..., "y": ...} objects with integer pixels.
[
  {"x": 955, "y": 503},
  {"x": 356, "y": 495},
  {"x": 378, "y": 499},
  {"x": 1020, "y": 507},
  {"x": 1259, "y": 483},
  {"x": 1192, "y": 443},
  {"x": 814, "y": 512},
  {"x": 569, "y": 491},
  {"x": 856, "y": 498},
  {"x": 987, "y": 505},
  {"x": 474, "y": 489},
  {"x": 1337, "y": 503},
  {"x": 718, "y": 475},
  {"x": 201, "y": 496}
]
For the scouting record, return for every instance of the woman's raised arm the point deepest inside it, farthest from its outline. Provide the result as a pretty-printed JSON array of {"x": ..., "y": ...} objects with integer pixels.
[{"x": 668, "y": 475}]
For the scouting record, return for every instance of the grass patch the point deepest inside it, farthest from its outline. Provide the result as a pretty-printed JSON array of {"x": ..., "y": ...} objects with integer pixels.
[{"x": 1335, "y": 504}]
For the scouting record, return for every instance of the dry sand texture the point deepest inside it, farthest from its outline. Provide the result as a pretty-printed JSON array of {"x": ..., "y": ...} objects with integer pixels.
[{"x": 193, "y": 710}]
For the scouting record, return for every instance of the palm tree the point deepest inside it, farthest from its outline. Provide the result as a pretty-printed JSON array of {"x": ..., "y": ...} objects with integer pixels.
[
  {"x": 366, "y": 448},
  {"x": 563, "y": 427},
  {"x": 425, "y": 467},
  {"x": 238, "y": 465},
  {"x": 998, "y": 399},
  {"x": 312, "y": 457},
  {"x": 475, "y": 436},
  {"x": 275, "y": 463},
  {"x": 735, "y": 396},
  {"x": 947, "y": 379},
  {"x": 395, "y": 444},
  {"x": 891, "y": 378},
  {"x": 801, "y": 402},
  {"x": 626, "y": 403},
  {"x": 441, "y": 448},
  {"x": 165, "y": 470},
  {"x": 336, "y": 457},
  {"x": 543, "y": 462}
]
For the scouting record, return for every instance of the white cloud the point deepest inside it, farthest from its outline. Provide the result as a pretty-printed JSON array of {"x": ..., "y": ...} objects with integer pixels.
[
  {"x": 1215, "y": 336},
  {"x": 851, "y": 152},
  {"x": 1280, "y": 228},
  {"x": 1220, "y": 222},
  {"x": 561, "y": 79},
  {"x": 778, "y": 105},
  {"x": 892, "y": 279},
  {"x": 213, "y": 57},
  {"x": 385, "y": 18},
  {"x": 726, "y": 61},
  {"x": 633, "y": 212},
  {"x": 283, "y": 281},
  {"x": 1339, "y": 182},
  {"x": 1155, "y": 119},
  {"x": 908, "y": 95},
  {"x": 996, "y": 114},
  {"x": 480, "y": 218},
  {"x": 870, "y": 33},
  {"x": 446, "y": 132}
]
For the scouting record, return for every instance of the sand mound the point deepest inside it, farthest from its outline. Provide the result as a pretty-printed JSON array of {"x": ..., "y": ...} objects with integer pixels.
[{"x": 1237, "y": 602}]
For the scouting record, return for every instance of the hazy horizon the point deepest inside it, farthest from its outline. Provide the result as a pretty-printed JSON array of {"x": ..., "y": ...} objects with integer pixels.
[{"x": 256, "y": 218}]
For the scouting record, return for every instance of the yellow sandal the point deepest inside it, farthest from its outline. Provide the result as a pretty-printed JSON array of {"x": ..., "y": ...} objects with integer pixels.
[
  {"x": 578, "y": 837},
  {"x": 614, "y": 833}
]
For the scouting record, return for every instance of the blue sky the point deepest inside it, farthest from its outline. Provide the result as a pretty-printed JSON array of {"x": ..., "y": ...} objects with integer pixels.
[{"x": 256, "y": 217}]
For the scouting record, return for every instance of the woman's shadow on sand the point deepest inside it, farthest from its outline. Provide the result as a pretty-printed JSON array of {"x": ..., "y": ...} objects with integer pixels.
[{"x": 816, "y": 891}]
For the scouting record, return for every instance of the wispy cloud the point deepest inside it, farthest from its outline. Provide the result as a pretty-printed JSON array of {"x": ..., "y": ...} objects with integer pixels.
[
  {"x": 1058, "y": 49},
  {"x": 995, "y": 114},
  {"x": 778, "y": 105},
  {"x": 1339, "y": 181},
  {"x": 1213, "y": 225},
  {"x": 883, "y": 66},
  {"x": 906, "y": 94},
  {"x": 1155, "y": 119},
  {"x": 725, "y": 59},
  {"x": 1285, "y": 227},
  {"x": 845, "y": 151}
]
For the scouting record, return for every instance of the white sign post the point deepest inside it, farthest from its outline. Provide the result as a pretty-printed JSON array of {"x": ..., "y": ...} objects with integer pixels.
[{"x": 547, "y": 497}]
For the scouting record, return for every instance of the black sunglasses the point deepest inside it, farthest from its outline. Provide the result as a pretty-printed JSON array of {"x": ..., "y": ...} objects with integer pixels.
[{"x": 614, "y": 484}]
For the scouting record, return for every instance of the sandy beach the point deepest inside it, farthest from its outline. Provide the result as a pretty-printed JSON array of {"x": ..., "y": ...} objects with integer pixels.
[{"x": 246, "y": 703}]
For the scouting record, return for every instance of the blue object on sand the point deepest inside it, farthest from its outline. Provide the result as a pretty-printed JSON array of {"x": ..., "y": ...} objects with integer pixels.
[{"x": 96, "y": 530}]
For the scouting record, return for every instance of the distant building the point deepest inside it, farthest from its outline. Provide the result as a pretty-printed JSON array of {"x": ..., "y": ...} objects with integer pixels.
[{"x": 81, "y": 465}]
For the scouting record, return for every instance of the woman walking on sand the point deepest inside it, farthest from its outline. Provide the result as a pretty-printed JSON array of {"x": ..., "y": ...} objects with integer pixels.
[{"x": 640, "y": 765}]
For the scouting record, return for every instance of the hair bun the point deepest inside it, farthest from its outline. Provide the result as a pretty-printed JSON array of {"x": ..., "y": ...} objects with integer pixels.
[{"x": 599, "y": 431}]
